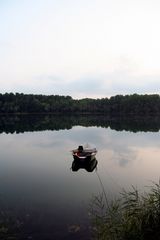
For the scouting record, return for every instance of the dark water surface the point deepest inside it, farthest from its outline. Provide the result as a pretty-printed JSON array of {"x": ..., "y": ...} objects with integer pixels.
[{"x": 41, "y": 197}]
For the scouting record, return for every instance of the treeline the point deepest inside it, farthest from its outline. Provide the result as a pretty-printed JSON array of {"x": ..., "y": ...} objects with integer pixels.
[{"x": 119, "y": 105}]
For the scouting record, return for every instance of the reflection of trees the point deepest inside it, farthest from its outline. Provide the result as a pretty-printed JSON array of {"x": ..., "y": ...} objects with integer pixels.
[
  {"x": 150, "y": 124},
  {"x": 23, "y": 123}
]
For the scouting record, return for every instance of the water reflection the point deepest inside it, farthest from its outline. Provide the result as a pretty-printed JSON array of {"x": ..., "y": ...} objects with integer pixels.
[
  {"x": 26, "y": 123},
  {"x": 89, "y": 166},
  {"x": 35, "y": 177}
]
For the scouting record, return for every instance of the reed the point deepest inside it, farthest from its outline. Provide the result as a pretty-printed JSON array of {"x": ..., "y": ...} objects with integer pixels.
[{"x": 133, "y": 216}]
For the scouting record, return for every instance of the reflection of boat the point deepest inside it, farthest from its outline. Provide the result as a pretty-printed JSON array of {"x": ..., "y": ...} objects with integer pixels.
[
  {"x": 84, "y": 153},
  {"x": 89, "y": 166}
]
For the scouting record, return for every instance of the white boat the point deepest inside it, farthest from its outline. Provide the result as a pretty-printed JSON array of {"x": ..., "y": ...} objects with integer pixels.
[{"x": 84, "y": 153}]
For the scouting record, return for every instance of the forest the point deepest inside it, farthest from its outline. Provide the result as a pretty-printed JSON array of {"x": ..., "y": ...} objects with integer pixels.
[{"x": 119, "y": 105}]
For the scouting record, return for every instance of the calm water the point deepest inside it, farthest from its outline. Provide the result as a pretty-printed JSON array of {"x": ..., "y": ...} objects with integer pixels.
[{"x": 42, "y": 198}]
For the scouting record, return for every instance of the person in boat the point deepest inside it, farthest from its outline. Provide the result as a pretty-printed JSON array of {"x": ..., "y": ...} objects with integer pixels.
[{"x": 80, "y": 149}]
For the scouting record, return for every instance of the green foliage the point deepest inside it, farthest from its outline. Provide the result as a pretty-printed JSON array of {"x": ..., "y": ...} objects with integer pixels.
[
  {"x": 133, "y": 216},
  {"x": 128, "y": 105}
]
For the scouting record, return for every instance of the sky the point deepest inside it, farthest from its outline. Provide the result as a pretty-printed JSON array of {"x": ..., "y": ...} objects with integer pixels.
[{"x": 86, "y": 48}]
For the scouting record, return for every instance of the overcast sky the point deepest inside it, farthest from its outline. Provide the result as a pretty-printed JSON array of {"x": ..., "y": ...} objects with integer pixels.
[{"x": 81, "y": 48}]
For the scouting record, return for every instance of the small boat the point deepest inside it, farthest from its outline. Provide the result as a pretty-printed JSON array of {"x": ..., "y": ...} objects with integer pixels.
[{"x": 84, "y": 153}]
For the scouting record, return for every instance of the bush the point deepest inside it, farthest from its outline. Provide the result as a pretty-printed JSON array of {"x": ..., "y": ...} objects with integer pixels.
[{"x": 133, "y": 216}]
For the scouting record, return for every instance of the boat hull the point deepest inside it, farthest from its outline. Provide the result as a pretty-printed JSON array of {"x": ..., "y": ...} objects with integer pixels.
[
  {"x": 84, "y": 158},
  {"x": 84, "y": 154}
]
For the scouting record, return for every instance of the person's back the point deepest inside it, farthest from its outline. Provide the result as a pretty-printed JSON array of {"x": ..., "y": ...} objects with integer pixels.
[{"x": 80, "y": 148}]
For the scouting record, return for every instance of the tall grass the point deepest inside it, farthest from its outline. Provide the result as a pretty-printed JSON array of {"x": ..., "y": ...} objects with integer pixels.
[{"x": 133, "y": 216}]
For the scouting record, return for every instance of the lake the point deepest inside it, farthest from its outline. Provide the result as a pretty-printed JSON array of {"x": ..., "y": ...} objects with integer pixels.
[{"x": 41, "y": 197}]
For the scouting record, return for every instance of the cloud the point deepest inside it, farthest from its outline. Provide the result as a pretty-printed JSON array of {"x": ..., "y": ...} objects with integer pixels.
[
  {"x": 114, "y": 83},
  {"x": 88, "y": 85},
  {"x": 85, "y": 49}
]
